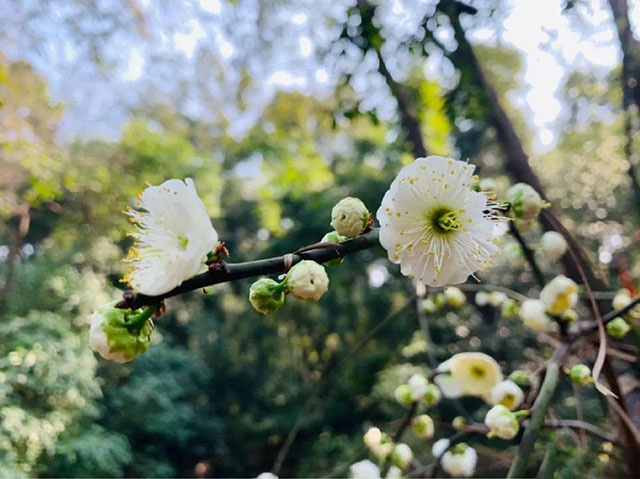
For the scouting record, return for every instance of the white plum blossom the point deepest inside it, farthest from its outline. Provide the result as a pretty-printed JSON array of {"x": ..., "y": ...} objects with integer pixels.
[
  {"x": 112, "y": 339},
  {"x": 501, "y": 422},
  {"x": 559, "y": 295},
  {"x": 307, "y": 280},
  {"x": 173, "y": 234},
  {"x": 460, "y": 461},
  {"x": 434, "y": 225},
  {"x": 349, "y": 217},
  {"x": 553, "y": 244},
  {"x": 267, "y": 475},
  {"x": 468, "y": 374},
  {"x": 508, "y": 394},
  {"x": 533, "y": 314},
  {"x": 364, "y": 470},
  {"x": 455, "y": 297}
]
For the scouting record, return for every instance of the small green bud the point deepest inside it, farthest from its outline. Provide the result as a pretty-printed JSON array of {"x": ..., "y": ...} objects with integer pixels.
[
  {"x": 333, "y": 237},
  {"x": 423, "y": 426},
  {"x": 307, "y": 280},
  {"x": 404, "y": 395},
  {"x": 509, "y": 309},
  {"x": 525, "y": 202},
  {"x": 432, "y": 395},
  {"x": 266, "y": 295},
  {"x": 350, "y": 217},
  {"x": 120, "y": 334},
  {"x": 459, "y": 422},
  {"x": 402, "y": 455},
  {"x": 521, "y": 378},
  {"x": 618, "y": 328},
  {"x": 580, "y": 374},
  {"x": 570, "y": 315},
  {"x": 439, "y": 299},
  {"x": 429, "y": 306}
]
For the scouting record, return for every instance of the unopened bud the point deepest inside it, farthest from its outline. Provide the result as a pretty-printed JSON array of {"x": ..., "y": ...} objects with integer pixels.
[
  {"x": 618, "y": 328},
  {"x": 266, "y": 295},
  {"x": 525, "y": 202},
  {"x": 333, "y": 237},
  {"x": 307, "y": 280},
  {"x": 349, "y": 217},
  {"x": 580, "y": 374}
]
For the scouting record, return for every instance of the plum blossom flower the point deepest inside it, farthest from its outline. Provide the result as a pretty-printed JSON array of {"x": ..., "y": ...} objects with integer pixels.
[
  {"x": 307, "y": 280},
  {"x": 533, "y": 313},
  {"x": 553, "y": 244},
  {"x": 501, "y": 422},
  {"x": 173, "y": 234},
  {"x": 435, "y": 226},
  {"x": 559, "y": 295},
  {"x": 468, "y": 374},
  {"x": 508, "y": 394},
  {"x": 460, "y": 460}
]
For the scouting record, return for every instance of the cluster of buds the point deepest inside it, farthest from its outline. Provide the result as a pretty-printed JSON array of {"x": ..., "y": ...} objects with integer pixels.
[
  {"x": 418, "y": 388},
  {"x": 451, "y": 296},
  {"x": 383, "y": 448},
  {"x": 556, "y": 299},
  {"x": 306, "y": 280}
]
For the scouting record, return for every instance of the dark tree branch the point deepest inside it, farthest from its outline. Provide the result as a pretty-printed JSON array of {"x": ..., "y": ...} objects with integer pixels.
[
  {"x": 630, "y": 76},
  {"x": 234, "y": 271}
]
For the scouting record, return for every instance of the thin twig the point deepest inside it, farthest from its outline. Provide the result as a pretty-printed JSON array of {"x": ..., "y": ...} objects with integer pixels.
[{"x": 529, "y": 255}]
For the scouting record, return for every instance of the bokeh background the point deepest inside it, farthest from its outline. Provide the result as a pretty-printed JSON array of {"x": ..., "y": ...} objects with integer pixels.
[{"x": 277, "y": 109}]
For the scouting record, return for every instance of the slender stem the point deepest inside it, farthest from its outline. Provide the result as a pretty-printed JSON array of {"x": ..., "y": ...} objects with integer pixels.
[
  {"x": 589, "y": 326},
  {"x": 538, "y": 413},
  {"x": 582, "y": 426},
  {"x": 397, "y": 437},
  {"x": 528, "y": 254},
  {"x": 234, "y": 271},
  {"x": 548, "y": 465}
]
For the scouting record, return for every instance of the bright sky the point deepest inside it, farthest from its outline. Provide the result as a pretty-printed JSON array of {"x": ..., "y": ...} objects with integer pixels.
[{"x": 551, "y": 42}]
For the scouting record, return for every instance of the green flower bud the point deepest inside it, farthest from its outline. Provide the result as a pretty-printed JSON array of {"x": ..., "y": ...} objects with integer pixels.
[
  {"x": 120, "y": 334},
  {"x": 521, "y": 378},
  {"x": 618, "y": 328},
  {"x": 404, "y": 394},
  {"x": 429, "y": 306},
  {"x": 307, "y": 280},
  {"x": 333, "y": 237},
  {"x": 570, "y": 315},
  {"x": 402, "y": 455},
  {"x": 458, "y": 422},
  {"x": 432, "y": 395},
  {"x": 349, "y": 217},
  {"x": 525, "y": 202},
  {"x": 266, "y": 295},
  {"x": 509, "y": 309},
  {"x": 580, "y": 374},
  {"x": 423, "y": 426}
]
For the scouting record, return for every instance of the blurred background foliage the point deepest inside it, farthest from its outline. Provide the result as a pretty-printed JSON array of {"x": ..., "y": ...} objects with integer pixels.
[{"x": 222, "y": 387}]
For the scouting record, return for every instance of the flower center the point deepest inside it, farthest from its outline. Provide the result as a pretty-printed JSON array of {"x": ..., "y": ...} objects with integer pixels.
[
  {"x": 444, "y": 220},
  {"x": 183, "y": 242},
  {"x": 477, "y": 372},
  {"x": 508, "y": 401}
]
